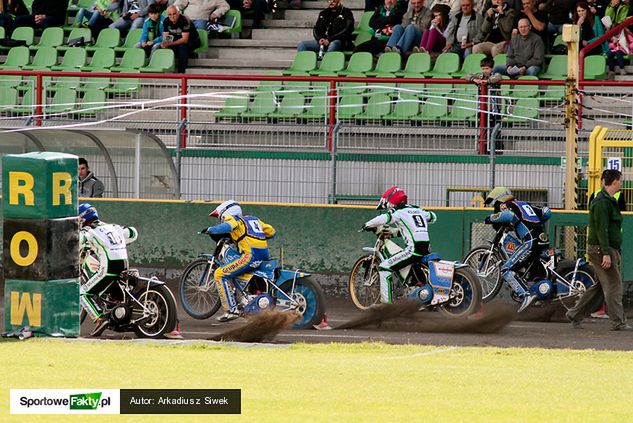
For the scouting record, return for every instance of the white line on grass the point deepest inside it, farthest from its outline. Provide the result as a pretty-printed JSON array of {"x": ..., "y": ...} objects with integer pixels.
[{"x": 421, "y": 354}]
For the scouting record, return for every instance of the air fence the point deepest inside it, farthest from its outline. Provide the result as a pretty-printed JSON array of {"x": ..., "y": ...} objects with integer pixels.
[{"x": 328, "y": 139}]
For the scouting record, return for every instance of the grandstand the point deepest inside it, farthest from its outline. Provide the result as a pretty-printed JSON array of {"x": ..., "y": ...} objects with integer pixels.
[{"x": 249, "y": 97}]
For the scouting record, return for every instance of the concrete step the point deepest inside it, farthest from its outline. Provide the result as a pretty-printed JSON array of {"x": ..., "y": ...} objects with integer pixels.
[
  {"x": 262, "y": 65},
  {"x": 306, "y": 15},
  {"x": 237, "y": 44},
  {"x": 320, "y": 5},
  {"x": 254, "y": 54},
  {"x": 293, "y": 34},
  {"x": 289, "y": 23}
]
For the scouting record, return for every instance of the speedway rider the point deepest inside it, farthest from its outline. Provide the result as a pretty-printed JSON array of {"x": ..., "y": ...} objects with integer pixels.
[
  {"x": 250, "y": 235},
  {"x": 107, "y": 243},
  {"x": 412, "y": 224},
  {"x": 527, "y": 221}
]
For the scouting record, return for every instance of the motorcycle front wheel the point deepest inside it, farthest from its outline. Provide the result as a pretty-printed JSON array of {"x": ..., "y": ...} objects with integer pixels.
[
  {"x": 198, "y": 293},
  {"x": 311, "y": 302},
  {"x": 487, "y": 266},
  {"x": 585, "y": 277},
  {"x": 160, "y": 305},
  {"x": 364, "y": 283},
  {"x": 465, "y": 295}
]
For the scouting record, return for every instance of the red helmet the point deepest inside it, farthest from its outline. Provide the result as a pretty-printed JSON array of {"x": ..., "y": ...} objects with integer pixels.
[{"x": 392, "y": 198}]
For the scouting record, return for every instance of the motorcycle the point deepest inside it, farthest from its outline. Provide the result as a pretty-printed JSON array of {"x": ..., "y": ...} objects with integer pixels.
[
  {"x": 450, "y": 287},
  {"x": 266, "y": 288},
  {"x": 551, "y": 277},
  {"x": 145, "y": 306}
]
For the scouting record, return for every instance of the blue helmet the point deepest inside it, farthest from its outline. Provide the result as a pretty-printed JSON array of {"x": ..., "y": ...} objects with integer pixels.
[{"x": 87, "y": 213}]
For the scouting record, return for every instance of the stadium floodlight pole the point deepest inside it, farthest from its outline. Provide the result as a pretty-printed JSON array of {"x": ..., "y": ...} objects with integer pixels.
[{"x": 571, "y": 37}]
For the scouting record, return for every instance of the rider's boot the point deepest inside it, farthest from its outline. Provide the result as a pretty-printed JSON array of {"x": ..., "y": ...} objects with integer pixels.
[
  {"x": 385, "y": 286},
  {"x": 518, "y": 287},
  {"x": 101, "y": 324},
  {"x": 230, "y": 315}
]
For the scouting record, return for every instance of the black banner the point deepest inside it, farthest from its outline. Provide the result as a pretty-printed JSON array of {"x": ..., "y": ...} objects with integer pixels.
[{"x": 181, "y": 401}]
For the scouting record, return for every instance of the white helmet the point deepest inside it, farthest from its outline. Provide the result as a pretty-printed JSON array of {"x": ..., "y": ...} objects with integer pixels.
[{"x": 230, "y": 208}]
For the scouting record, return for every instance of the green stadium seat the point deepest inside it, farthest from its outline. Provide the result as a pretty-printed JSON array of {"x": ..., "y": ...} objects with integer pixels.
[
  {"x": 74, "y": 59},
  {"x": 470, "y": 65},
  {"x": 133, "y": 37},
  {"x": 433, "y": 109},
  {"x": 51, "y": 37},
  {"x": 8, "y": 99},
  {"x": 92, "y": 102},
  {"x": 500, "y": 59},
  {"x": 440, "y": 89},
  {"x": 553, "y": 93},
  {"x": 99, "y": 83},
  {"x": 526, "y": 91},
  {"x": 162, "y": 60},
  {"x": 269, "y": 86},
  {"x": 264, "y": 103},
  {"x": 332, "y": 62},
  {"x": 359, "y": 63},
  {"x": 465, "y": 91},
  {"x": 317, "y": 107},
  {"x": 74, "y": 34},
  {"x": 304, "y": 61},
  {"x": 27, "y": 105},
  {"x": 406, "y": 107},
  {"x": 291, "y": 106},
  {"x": 10, "y": 81},
  {"x": 595, "y": 67},
  {"x": 349, "y": 106},
  {"x": 388, "y": 63},
  {"x": 64, "y": 83},
  {"x": 361, "y": 38},
  {"x": 107, "y": 38},
  {"x": 44, "y": 59},
  {"x": 204, "y": 43},
  {"x": 2, "y": 32},
  {"x": 234, "y": 106},
  {"x": 16, "y": 58},
  {"x": 363, "y": 23},
  {"x": 22, "y": 33},
  {"x": 523, "y": 111},
  {"x": 103, "y": 58},
  {"x": 556, "y": 69},
  {"x": 417, "y": 65},
  {"x": 384, "y": 86},
  {"x": 296, "y": 86},
  {"x": 445, "y": 64},
  {"x": 462, "y": 110},
  {"x": 412, "y": 88},
  {"x": 347, "y": 88},
  {"x": 124, "y": 86},
  {"x": 63, "y": 101},
  {"x": 237, "y": 26},
  {"x": 132, "y": 60},
  {"x": 378, "y": 106}
]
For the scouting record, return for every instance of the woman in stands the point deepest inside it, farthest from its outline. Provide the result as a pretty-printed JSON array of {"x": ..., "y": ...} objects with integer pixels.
[
  {"x": 590, "y": 28},
  {"x": 434, "y": 39}
]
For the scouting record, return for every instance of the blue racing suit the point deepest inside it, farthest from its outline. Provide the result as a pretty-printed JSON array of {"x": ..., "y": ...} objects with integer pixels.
[
  {"x": 527, "y": 221},
  {"x": 251, "y": 235}
]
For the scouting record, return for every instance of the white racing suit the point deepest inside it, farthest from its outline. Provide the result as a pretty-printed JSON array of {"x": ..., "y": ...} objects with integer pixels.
[
  {"x": 106, "y": 243},
  {"x": 412, "y": 224}
]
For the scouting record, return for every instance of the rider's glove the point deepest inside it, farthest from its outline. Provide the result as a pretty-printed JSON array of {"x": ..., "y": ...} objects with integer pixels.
[
  {"x": 204, "y": 230},
  {"x": 367, "y": 229}
]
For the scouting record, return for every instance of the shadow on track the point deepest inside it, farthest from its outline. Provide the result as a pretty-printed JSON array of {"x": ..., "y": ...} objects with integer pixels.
[
  {"x": 259, "y": 328},
  {"x": 404, "y": 316}
]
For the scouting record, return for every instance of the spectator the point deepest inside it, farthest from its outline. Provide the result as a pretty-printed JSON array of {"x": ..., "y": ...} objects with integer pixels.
[
  {"x": 590, "y": 28},
  {"x": 597, "y": 7},
  {"x": 381, "y": 23},
  {"x": 332, "y": 30},
  {"x": 200, "y": 12},
  {"x": 452, "y": 6},
  {"x": 102, "y": 14},
  {"x": 133, "y": 14},
  {"x": 559, "y": 14},
  {"x": 525, "y": 54},
  {"x": 9, "y": 9},
  {"x": 408, "y": 34},
  {"x": 496, "y": 29},
  {"x": 89, "y": 185},
  {"x": 514, "y": 4},
  {"x": 152, "y": 34},
  {"x": 258, "y": 7},
  {"x": 44, "y": 14},
  {"x": 604, "y": 243},
  {"x": 617, "y": 12},
  {"x": 180, "y": 35},
  {"x": 616, "y": 54},
  {"x": 538, "y": 19},
  {"x": 433, "y": 39},
  {"x": 463, "y": 29}
]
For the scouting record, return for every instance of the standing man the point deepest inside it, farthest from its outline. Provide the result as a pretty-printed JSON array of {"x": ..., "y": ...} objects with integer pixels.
[
  {"x": 525, "y": 54},
  {"x": 332, "y": 31},
  {"x": 603, "y": 249},
  {"x": 181, "y": 36},
  {"x": 89, "y": 185}
]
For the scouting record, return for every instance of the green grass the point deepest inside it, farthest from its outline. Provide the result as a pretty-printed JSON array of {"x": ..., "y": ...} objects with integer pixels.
[{"x": 369, "y": 382}]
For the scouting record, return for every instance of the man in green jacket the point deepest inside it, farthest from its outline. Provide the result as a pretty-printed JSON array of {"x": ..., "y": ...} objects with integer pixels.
[{"x": 605, "y": 240}]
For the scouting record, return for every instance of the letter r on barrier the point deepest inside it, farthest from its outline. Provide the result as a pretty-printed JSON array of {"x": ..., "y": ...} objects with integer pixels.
[
  {"x": 61, "y": 187},
  {"x": 23, "y": 304},
  {"x": 21, "y": 183}
]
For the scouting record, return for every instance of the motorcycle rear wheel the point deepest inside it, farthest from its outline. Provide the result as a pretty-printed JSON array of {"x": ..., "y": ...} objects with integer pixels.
[
  {"x": 465, "y": 293},
  {"x": 364, "y": 283},
  {"x": 487, "y": 266},
  {"x": 198, "y": 294},
  {"x": 160, "y": 301}
]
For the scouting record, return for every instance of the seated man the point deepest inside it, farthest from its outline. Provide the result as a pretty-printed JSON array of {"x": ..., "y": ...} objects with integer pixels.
[
  {"x": 415, "y": 21},
  {"x": 202, "y": 11},
  {"x": 463, "y": 29},
  {"x": 381, "y": 23},
  {"x": 133, "y": 14},
  {"x": 45, "y": 13},
  {"x": 538, "y": 19},
  {"x": 332, "y": 31},
  {"x": 9, "y": 9},
  {"x": 496, "y": 29},
  {"x": 251, "y": 235},
  {"x": 181, "y": 36},
  {"x": 525, "y": 53}
]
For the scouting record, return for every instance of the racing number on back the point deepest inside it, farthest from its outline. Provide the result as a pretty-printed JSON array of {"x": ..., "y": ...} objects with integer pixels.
[
  {"x": 255, "y": 226},
  {"x": 528, "y": 210},
  {"x": 419, "y": 221}
]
